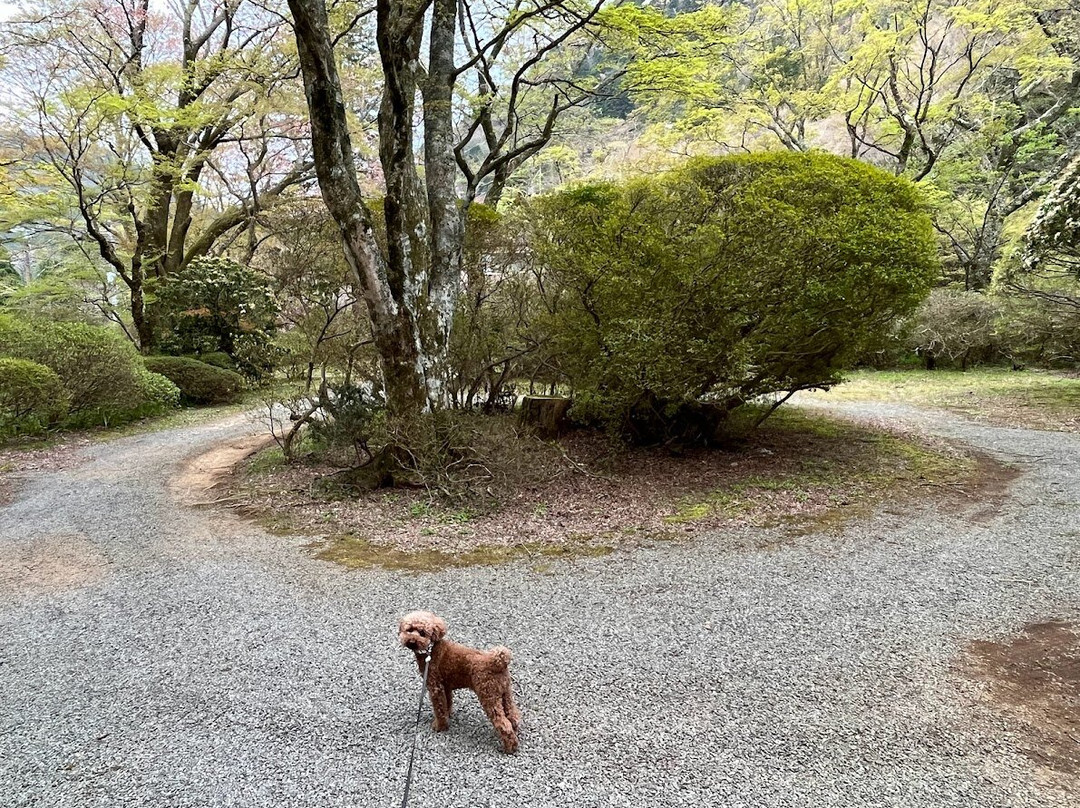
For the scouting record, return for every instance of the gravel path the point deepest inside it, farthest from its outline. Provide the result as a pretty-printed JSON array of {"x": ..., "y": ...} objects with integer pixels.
[{"x": 154, "y": 654}]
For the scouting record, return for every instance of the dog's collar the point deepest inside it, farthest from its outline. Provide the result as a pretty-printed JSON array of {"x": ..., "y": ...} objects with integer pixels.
[{"x": 430, "y": 650}]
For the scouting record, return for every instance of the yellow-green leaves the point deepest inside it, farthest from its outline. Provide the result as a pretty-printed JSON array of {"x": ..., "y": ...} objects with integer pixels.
[{"x": 669, "y": 58}]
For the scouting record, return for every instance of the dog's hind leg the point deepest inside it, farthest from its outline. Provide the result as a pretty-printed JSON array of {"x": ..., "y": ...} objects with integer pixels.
[{"x": 493, "y": 708}]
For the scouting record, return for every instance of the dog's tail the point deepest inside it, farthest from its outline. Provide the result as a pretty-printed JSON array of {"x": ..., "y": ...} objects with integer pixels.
[{"x": 501, "y": 656}]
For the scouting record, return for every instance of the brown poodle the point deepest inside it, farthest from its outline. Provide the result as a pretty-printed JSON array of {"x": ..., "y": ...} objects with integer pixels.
[{"x": 455, "y": 666}]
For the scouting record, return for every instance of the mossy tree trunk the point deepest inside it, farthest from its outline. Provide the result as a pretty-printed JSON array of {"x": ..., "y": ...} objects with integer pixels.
[{"x": 411, "y": 290}]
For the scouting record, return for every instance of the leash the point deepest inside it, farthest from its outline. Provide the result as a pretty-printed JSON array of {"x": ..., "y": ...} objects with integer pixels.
[{"x": 416, "y": 728}]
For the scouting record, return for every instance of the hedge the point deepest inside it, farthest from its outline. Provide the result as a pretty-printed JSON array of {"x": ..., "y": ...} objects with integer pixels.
[
  {"x": 32, "y": 397},
  {"x": 199, "y": 382}
]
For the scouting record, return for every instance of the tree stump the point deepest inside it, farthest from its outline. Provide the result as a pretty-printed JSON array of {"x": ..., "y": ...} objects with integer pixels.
[{"x": 545, "y": 415}]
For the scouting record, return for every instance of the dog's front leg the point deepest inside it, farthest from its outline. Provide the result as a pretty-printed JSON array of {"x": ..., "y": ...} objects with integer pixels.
[{"x": 440, "y": 705}]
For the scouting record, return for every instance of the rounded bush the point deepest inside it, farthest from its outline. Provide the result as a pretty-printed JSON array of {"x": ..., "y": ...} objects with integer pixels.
[
  {"x": 99, "y": 368},
  {"x": 160, "y": 392},
  {"x": 955, "y": 327},
  {"x": 32, "y": 397},
  {"x": 216, "y": 305},
  {"x": 199, "y": 383},
  {"x": 674, "y": 300}
]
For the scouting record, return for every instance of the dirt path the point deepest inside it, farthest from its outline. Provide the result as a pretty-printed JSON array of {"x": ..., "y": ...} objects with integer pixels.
[{"x": 155, "y": 653}]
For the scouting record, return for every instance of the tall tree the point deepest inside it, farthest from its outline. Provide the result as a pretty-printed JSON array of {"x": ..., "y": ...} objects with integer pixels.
[
  {"x": 167, "y": 129},
  {"x": 472, "y": 140},
  {"x": 974, "y": 99}
]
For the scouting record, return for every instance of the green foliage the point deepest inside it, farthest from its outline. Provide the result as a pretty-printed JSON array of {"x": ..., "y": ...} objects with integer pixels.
[
  {"x": 353, "y": 421},
  {"x": 218, "y": 359},
  {"x": 1039, "y": 332},
  {"x": 62, "y": 285},
  {"x": 325, "y": 331},
  {"x": 491, "y": 341},
  {"x": 681, "y": 297},
  {"x": 198, "y": 382},
  {"x": 219, "y": 306},
  {"x": 673, "y": 59},
  {"x": 1051, "y": 260},
  {"x": 100, "y": 370},
  {"x": 975, "y": 99},
  {"x": 32, "y": 397},
  {"x": 159, "y": 392},
  {"x": 1041, "y": 323},
  {"x": 955, "y": 327}
]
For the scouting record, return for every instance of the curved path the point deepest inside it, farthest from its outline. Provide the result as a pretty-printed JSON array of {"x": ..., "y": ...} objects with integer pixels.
[{"x": 161, "y": 655}]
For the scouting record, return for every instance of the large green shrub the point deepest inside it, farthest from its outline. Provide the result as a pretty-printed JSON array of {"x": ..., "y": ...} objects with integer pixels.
[
  {"x": 199, "y": 382},
  {"x": 219, "y": 306},
  {"x": 32, "y": 397},
  {"x": 100, "y": 370},
  {"x": 218, "y": 359},
  {"x": 676, "y": 299},
  {"x": 1038, "y": 331}
]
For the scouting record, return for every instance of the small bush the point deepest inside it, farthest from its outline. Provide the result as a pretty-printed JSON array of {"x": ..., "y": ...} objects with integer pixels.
[
  {"x": 353, "y": 420},
  {"x": 160, "y": 393},
  {"x": 218, "y": 359},
  {"x": 32, "y": 397},
  {"x": 199, "y": 382}
]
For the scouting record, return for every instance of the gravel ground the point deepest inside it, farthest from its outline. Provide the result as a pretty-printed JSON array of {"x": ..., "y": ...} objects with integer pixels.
[{"x": 153, "y": 654}]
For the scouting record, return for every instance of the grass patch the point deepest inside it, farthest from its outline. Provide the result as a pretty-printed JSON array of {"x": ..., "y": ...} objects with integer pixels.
[
  {"x": 267, "y": 460},
  {"x": 1028, "y": 398}
]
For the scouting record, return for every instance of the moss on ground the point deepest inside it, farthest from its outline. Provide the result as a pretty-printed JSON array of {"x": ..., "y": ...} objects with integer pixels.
[
  {"x": 356, "y": 552},
  {"x": 833, "y": 489}
]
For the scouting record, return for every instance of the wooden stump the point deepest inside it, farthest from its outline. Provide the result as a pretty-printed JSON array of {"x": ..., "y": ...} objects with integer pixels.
[{"x": 545, "y": 415}]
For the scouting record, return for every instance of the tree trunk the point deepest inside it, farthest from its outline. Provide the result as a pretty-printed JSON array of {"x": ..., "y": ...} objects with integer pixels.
[
  {"x": 446, "y": 214},
  {"x": 394, "y": 329}
]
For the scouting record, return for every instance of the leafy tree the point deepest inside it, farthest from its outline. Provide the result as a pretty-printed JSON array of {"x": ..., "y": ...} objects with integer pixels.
[
  {"x": 1052, "y": 244},
  {"x": 218, "y": 305},
  {"x": 323, "y": 330},
  {"x": 973, "y": 98},
  {"x": 163, "y": 130},
  {"x": 676, "y": 300},
  {"x": 494, "y": 340},
  {"x": 1044, "y": 323}
]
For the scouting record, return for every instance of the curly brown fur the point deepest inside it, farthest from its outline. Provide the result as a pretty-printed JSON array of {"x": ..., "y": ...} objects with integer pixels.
[{"x": 455, "y": 666}]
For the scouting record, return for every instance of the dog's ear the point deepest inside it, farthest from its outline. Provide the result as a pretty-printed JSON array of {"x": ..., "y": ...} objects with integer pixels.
[{"x": 438, "y": 628}]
